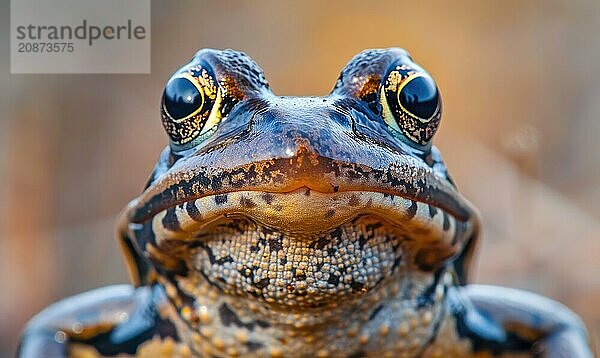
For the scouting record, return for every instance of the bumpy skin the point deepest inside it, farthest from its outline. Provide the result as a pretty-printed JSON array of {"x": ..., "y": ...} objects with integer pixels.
[{"x": 302, "y": 227}]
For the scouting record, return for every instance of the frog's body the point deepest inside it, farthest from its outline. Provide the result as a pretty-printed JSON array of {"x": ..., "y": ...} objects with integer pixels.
[{"x": 302, "y": 227}]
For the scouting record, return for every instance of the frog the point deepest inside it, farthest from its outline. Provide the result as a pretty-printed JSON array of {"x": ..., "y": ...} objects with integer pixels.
[{"x": 279, "y": 226}]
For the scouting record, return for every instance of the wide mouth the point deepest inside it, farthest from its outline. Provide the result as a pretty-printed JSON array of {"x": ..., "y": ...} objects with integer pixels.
[
  {"x": 308, "y": 249},
  {"x": 305, "y": 212},
  {"x": 408, "y": 180}
]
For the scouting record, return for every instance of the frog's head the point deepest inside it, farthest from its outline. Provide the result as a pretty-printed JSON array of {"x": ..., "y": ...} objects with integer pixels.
[{"x": 297, "y": 204}]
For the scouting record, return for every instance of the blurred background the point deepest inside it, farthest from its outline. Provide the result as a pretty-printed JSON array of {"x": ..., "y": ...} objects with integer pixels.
[{"x": 521, "y": 88}]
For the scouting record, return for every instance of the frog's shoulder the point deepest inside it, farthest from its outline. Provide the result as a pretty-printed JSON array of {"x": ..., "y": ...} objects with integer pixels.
[
  {"x": 497, "y": 320},
  {"x": 106, "y": 321}
]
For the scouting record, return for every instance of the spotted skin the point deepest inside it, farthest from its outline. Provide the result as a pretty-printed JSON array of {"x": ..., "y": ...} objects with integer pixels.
[{"x": 302, "y": 226}]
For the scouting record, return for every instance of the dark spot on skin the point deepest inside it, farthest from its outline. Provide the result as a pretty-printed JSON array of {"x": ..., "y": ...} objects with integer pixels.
[
  {"x": 144, "y": 235},
  {"x": 432, "y": 211},
  {"x": 333, "y": 279},
  {"x": 429, "y": 259},
  {"x": 170, "y": 221},
  {"x": 446, "y": 224},
  {"x": 262, "y": 283},
  {"x": 398, "y": 258},
  {"x": 300, "y": 276},
  {"x": 425, "y": 260},
  {"x": 268, "y": 198},
  {"x": 223, "y": 260},
  {"x": 426, "y": 298},
  {"x": 247, "y": 272},
  {"x": 247, "y": 203},
  {"x": 356, "y": 286},
  {"x": 172, "y": 267},
  {"x": 336, "y": 188},
  {"x": 357, "y": 354},
  {"x": 283, "y": 261},
  {"x": 209, "y": 252},
  {"x": 254, "y": 346},
  {"x": 193, "y": 211},
  {"x": 220, "y": 199},
  {"x": 275, "y": 244},
  {"x": 236, "y": 225},
  {"x": 229, "y": 317},
  {"x": 362, "y": 239},
  {"x": 412, "y": 209},
  {"x": 307, "y": 192},
  {"x": 262, "y": 324},
  {"x": 375, "y": 312},
  {"x": 196, "y": 244},
  {"x": 375, "y": 226},
  {"x": 173, "y": 279},
  {"x": 320, "y": 243},
  {"x": 330, "y": 213},
  {"x": 212, "y": 283},
  {"x": 266, "y": 231},
  {"x": 353, "y": 201},
  {"x": 337, "y": 233}
]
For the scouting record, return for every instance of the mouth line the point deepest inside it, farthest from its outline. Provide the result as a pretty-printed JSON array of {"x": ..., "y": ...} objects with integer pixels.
[
  {"x": 282, "y": 175},
  {"x": 306, "y": 211},
  {"x": 458, "y": 215},
  {"x": 307, "y": 189}
]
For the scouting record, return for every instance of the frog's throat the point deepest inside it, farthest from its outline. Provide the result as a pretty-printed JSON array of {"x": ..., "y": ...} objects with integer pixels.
[
  {"x": 260, "y": 256},
  {"x": 303, "y": 250},
  {"x": 403, "y": 317}
]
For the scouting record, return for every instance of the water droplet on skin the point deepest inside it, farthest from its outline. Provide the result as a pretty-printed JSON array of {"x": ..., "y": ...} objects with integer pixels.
[
  {"x": 77, "y": 327},
  {"x": 60, "y": 337}
]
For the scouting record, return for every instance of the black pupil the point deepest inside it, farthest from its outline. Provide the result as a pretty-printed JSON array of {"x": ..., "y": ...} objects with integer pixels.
[
  {"x": 181, "y": 98},
  {"x": 420, "y": 97}
]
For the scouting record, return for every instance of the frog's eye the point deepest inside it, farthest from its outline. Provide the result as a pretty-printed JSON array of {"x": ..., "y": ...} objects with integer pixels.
[
  {"x": 190, "y": 106},
  {"x": 183, "y": 97},
  {"x": 411, "y": 103}
]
